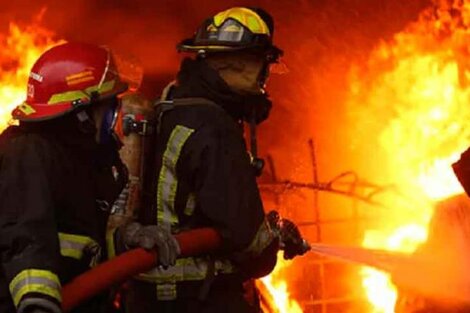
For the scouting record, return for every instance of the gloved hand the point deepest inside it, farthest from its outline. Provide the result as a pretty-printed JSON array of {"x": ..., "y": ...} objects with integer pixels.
[
  {"x": 38, "y": 305},
  {"x": 291, "y": 241},
  {"x": 150, "y": 237}
]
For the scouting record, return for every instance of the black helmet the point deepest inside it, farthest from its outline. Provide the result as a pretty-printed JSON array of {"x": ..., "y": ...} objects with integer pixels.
[{"x": 235, "y": 29}]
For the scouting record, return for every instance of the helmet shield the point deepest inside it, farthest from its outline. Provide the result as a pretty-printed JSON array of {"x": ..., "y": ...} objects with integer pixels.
[{"x": 127, "y": 69}]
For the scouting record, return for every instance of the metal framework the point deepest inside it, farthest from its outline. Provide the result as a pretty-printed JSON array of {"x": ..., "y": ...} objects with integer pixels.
[{"x": 347, "y": 184}]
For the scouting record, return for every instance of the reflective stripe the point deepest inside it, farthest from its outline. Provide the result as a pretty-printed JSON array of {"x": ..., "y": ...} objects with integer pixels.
[
  {"x": 166, "y": 292},
  {"x": 166, "y": 214},
  {"x": 37, "y": 281},
  {"x": 75, "y": 246},
  {"x": 187, "y": 269},
  {"x": 81, "y": 94},
  {"x": 167, "y": 181},
  {"x": 190, "y": 204},
  {"x": 262, "y": 240},
  {"x": 110, "y": 244}
]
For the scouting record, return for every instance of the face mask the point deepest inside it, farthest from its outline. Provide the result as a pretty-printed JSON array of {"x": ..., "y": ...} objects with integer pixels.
[{"x": 257, "y": 108}]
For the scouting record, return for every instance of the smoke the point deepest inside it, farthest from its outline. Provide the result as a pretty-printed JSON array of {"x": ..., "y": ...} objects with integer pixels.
[{"x": 320, "y": 38}]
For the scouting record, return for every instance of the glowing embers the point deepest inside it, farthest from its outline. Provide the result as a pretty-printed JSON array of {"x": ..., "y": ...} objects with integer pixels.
[
  {"x": 414, "y": 93},
  {"x": 19, "y": 49}
]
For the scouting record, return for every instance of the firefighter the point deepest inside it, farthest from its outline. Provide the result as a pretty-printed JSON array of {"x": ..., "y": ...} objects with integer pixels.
[
  {"x": 205, "y": 176},
  {"x": 59, "y": 174}
]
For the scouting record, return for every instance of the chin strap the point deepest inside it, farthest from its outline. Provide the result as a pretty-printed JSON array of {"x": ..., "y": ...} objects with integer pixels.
[
  {"x": 256, "y": 162},
  {"x": 86, "y": 125}
]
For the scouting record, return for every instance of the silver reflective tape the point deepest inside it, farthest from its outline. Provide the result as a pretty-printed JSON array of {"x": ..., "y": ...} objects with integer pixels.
[
  {"x": 168, "y": 182},
  {"x": 33, "y": 280}
]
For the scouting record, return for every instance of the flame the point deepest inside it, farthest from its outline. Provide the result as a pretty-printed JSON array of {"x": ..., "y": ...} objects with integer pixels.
[
  {"x": 19, "y": 49},
  {"x": 413, "y": 92},
  {"x": 277, "y": 287}
]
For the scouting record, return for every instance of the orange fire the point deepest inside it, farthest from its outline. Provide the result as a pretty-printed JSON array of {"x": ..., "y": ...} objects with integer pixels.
[
  {"x": 19, "y": 49},
  {"x": 277, "y": 287},
  {"x": 414, "y": 93}
]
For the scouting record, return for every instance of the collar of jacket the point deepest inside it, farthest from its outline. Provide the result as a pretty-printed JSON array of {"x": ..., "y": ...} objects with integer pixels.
[{"x": 66, "y": 132}]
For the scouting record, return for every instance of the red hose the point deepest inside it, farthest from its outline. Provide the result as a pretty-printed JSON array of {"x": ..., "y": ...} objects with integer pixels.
[{"x": 131, "y": 263}]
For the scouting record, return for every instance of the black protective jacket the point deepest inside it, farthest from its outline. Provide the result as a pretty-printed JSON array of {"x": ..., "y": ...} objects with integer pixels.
[
  {"x": 55, "y": 184},
  {"x": 205, "y": 179}
]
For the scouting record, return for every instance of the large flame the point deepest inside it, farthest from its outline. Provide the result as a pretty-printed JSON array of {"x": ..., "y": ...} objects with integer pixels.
[
  {"x": 276, "y": 284},
  {"x": 19, "y": 49},
  {"x": 414, "y": 93}
]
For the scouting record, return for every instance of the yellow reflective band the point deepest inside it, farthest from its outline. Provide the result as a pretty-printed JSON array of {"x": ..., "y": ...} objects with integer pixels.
[
  {"x": 166, "y": 292},
  {"x": 74, "y": 246},
  {"x": 185, "y": 269},
  {"x": 110, "y": 245},
  {"x": 167, "y": 180},
  {"x": 71, "y": 253},
  {"x": 79, "y": 75},
  {"x": 37, "y": 281},
  {"x": 81, "y": 94},
  {"x": 263, "y": 238},
  {"x": 248, "y": 18},
  {"x": 26, "y": 109},
  {"x": 80, "y": 80}
]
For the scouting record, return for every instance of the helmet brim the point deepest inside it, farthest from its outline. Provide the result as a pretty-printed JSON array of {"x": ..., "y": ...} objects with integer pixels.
[
  {"x": 188, "y": 45},
  {"x": 45, "y": 111},
  {"x": 41, "y": 112}
]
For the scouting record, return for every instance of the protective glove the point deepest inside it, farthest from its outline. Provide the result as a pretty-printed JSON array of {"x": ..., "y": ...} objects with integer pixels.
[
  {"x": 38, "y": 305},
  {"x": 150, "y": 237},
  {"x": 291, "y": 241}
]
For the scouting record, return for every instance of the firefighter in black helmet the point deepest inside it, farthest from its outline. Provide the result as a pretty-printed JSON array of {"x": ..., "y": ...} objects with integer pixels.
[{"x": 206, "y": 177}]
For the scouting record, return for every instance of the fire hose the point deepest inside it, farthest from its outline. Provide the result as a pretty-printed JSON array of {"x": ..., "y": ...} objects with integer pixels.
[{"x": 131, "y": 263}]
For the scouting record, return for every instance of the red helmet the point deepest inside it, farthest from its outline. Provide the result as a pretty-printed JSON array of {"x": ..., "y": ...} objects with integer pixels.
[{"x": 73, "y": 75}]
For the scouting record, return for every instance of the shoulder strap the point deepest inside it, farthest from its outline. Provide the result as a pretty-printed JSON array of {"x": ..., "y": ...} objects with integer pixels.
[{"x": 163, "y": 106}]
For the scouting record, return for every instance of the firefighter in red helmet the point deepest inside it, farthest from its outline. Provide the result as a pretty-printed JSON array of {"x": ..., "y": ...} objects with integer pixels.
[
  {"x": 59, "y": 174},
  {"x": 206, "y": 177}
]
